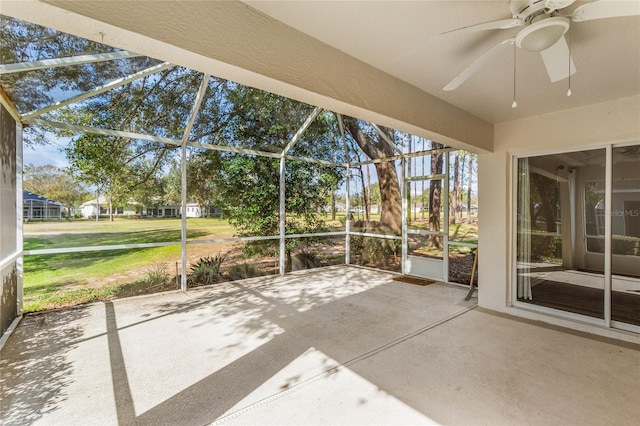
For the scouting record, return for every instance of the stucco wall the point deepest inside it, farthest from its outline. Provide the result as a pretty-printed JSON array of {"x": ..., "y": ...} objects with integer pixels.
[
  {"x": 593, "y": 126},
  {"x": 8, "y": 236}
]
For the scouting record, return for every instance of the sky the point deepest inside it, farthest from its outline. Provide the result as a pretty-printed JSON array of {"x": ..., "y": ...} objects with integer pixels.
[{"x": 51, "y": 153}]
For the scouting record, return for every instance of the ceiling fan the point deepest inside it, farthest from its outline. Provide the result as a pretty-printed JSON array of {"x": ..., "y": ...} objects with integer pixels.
[{"x": 545, "y": 25}]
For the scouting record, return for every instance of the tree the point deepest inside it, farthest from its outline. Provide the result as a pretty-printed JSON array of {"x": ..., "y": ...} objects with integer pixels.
[
  {"x": 376, "y": 148},
  {"x": 248, "y": 186},
  {"x": 545, "y": 195},
  {"x": 171, "y": 184},
  {"x": 456, "y": 194},
  {"x": 98, "y": 161},
  {"x": 160, "y": 104},
  {"x": 56, "y": 184},
  {"x": 201, "y": 184},
  {"x": 435, "y": 196},
  {"x": 470, "y": 174},
  {"x": 148, "y": 193},
  {"x": 22, "y": 41},
  {"x": 374, "y": 193}
]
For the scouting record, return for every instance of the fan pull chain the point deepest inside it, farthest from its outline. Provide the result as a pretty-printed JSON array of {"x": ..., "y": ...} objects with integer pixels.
[
  {"x": 514, "y": 104},
  {"x": 569, "y": 37}
]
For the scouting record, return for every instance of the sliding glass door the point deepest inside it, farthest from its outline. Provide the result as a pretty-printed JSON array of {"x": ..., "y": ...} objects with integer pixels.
[
  {"x": 625, "y": 235},
  {"x": 571, "y": 256}
]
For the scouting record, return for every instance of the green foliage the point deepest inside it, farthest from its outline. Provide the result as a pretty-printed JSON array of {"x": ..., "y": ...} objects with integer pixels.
[
  {"x": 23, "y": 41},
  {"x": 266, "y": 122},
  {"x": 59, "y": 295},
  {"x": 156, "y": 275},
  {"x": 303, "y": 260},
  {"x": 375, "y": 252},
  {"x": 54, "y": 297},
  {"x": 54, "y": 183},
  {"x": 207, "y": 270},
  {"x": 546, "y": 247},
  {"x": 626, "y": 246},
  {"x": 242, "y": 271},
  {"x": 202, "y": 187},
  {"x": 254, "y": 209}
]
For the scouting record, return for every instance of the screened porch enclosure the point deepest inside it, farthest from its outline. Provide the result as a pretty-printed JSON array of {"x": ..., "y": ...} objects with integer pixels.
[
  {"x": 37, "y": 207},
  {"x": 291, "y": 186}
]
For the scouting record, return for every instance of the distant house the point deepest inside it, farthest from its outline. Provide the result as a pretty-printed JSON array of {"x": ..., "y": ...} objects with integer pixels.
[
  {"x": 195, "y": 210},
  {"x": 172, "y": 210},
  {"x": 132, "y": 208},
  {"x": 90, "y": 208},
  {"x": 38, "y": 207}
]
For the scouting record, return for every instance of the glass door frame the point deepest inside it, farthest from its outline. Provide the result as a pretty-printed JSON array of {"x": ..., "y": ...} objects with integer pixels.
[{"x": 607, "y": 321}]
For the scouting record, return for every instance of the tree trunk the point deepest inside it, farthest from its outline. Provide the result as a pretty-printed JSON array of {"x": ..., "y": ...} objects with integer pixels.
[
  {"x": 408, "y": 187},
  {"x": 368, "y": 195},
  {"x": 333, "y": 205},
  {"x": 390, "y": 199},
  {"x": 470, "y": 192},
  {"x": 455, "y": 194},
  {"x": 365, "y": 201},
  {"x": 548, "y": 193},
  {"x": 424, "y": 157},
  {"x": 435, "y": 196}
]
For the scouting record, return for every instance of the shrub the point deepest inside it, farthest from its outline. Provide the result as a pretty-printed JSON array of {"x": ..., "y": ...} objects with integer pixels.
[
  {"x": 207, "y": 270},
  {"x": 373, "y": 251},
  {"x": 626, "y": 247},
  {"x": 545, "y": 247},
  {"x": 157, "y": 275},
  {"x": 242, "y": 271},
  {"x": 303, "y": 260}
]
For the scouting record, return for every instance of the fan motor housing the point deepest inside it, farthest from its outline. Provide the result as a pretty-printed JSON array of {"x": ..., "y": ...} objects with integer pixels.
[
  {"x": 529, "y": 9},
  {"x": 542, "y": 34},
  {"x": 525, "y": 8}
]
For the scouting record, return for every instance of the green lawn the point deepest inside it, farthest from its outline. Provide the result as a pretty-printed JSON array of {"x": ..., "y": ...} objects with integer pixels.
[
  {"x": 55, "y": 280},
  {"x": 83, "y": 233},
  {"x": 58, "y": 280}
]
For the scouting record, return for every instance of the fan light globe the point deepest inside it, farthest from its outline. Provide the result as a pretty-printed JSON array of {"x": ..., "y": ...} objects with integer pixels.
[{"x": 543, "y": 34}]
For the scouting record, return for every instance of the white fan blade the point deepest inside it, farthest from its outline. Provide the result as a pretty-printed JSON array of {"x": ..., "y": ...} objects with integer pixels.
[
  {"x": 502, "y": 24},
  {"x": 602, "y": 9},
  {"x": 477, "y": 64},
  {"x": 558, "y": 61}
]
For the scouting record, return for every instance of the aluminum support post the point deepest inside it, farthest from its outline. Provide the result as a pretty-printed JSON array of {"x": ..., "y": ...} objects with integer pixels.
[
  {"x": 63, "y": 62},
  {"x": 608, "y": 202},
  {"x": 183, "y": 169},
  {"x": 282, "y": 218}
]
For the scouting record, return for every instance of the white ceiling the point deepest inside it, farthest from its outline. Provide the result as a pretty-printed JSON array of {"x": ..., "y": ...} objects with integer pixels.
[{"x": 399, "y": 38}]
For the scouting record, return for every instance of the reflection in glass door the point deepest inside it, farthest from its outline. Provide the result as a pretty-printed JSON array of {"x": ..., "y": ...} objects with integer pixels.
[
  {"x": 551, "y": 271},
  {"x": 625, "y": 235},
  {"x": 578, "y": 240}
]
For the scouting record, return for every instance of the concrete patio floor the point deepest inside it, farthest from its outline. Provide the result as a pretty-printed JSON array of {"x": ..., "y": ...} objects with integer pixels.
[{"x": 339, "y": 345}]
